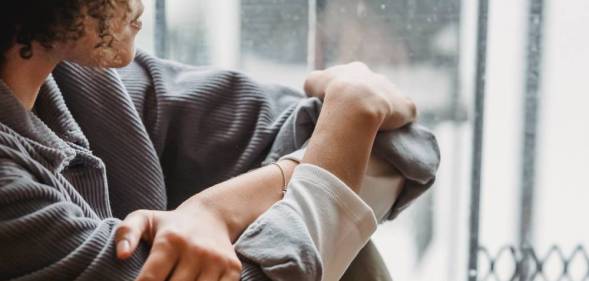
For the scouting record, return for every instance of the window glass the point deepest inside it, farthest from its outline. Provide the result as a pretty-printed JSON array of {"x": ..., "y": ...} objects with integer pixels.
[
  {"x": 415, "y": 43},
  {"x": 534, "y": 136},
  {"x": 531, "y": 199}
]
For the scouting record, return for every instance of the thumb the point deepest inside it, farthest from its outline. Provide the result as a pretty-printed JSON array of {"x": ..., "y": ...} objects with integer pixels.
[{"x": 130, "y": 231}]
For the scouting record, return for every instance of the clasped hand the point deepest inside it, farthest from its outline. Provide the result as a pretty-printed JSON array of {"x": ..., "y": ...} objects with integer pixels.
[{"x": 189, "y": 243}]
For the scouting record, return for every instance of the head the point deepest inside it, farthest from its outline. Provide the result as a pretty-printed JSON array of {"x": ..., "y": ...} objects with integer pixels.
[{"x": 89, "y": 32}]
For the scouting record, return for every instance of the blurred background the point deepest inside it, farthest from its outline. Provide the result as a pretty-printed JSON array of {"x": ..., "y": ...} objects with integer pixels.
[{"x": 510, "y": 196}]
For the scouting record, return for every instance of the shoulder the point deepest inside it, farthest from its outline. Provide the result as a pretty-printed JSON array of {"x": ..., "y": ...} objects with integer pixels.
[
  {"x": 12, "y": 145},
  {"x": 22, "y": 177},
  {"x": 18, "y": 156}
]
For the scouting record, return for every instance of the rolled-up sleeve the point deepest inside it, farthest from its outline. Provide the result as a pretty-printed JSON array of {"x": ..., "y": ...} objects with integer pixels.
[{"x": 321, "y": 207}]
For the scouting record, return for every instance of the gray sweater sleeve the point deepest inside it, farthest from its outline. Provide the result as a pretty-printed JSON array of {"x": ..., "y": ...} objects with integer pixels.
[
  {"x": 204, "y": 126},
  {"x": 49, "y": 237},
  {"x": 209, "y": 125}
]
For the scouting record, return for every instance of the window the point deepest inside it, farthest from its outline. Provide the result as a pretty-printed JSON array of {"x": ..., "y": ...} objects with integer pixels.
[{"x": 500, "y": 82}]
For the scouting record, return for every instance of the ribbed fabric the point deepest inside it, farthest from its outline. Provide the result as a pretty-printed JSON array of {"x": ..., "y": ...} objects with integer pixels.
[
  {"x": 104, "y": 143},
  {"x": 100, "y": 147}
]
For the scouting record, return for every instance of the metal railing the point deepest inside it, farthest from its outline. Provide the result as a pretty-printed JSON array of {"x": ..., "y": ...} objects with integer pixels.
[
  {"x": 528, "y": 264},
  {"x": 477, "y": 138}
]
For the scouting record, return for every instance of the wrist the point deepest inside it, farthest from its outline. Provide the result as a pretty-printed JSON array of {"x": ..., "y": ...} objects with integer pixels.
[
  {"x": 343, "y": 139},
  {"x": 238, "y": 201},
  {"x": 226, "y": 218},
  {"x": 288, "y": 167}
]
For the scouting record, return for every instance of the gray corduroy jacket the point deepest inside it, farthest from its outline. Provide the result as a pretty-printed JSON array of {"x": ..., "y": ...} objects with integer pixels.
[{"x": 103, "y": 143}]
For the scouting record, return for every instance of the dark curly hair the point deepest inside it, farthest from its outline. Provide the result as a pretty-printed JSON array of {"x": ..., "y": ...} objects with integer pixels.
[{"x": 49, "y": 21}]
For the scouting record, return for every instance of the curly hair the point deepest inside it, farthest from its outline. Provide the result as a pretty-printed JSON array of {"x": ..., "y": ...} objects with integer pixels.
[{"x": 49, "y": 21}]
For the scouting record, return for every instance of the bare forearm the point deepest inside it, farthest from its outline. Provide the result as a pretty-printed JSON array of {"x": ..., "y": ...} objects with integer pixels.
[
  {"x": 342, "y": 141},
  {"x": 242, "y": 199},
  {"x": 354, "y": 109}
]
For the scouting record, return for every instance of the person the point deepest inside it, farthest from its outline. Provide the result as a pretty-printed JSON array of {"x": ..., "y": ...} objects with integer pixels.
[{"x": 59, "y": 207}]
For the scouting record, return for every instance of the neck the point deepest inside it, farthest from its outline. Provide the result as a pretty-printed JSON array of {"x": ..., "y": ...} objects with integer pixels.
[{"x": 26, "y": 76}]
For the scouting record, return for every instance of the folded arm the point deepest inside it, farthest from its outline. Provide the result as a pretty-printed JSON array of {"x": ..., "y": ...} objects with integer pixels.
[{"x": 352, "y": 111}]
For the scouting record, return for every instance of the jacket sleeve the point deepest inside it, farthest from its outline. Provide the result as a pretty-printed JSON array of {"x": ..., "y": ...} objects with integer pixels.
[
  {"x": 209, "y": 125},
  {"x": 44, "y": 235}
]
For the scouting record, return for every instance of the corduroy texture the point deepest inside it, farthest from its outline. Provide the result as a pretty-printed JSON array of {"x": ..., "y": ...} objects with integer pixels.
[{"x": 144, "y": 137}]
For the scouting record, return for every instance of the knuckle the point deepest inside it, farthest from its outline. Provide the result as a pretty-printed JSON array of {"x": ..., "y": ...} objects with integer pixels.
[
  {"x": 201, "y": 250},
  {"x": 352, "y": 86},
  {"x": 215, "y": 257},
  {"x": 314, "y": 76},
  {"x": 382, "y": 77},
  {"x": 173, "y": 237},
  {"x": 359, "y": 65},
  {"x": 314, "y": 80},
  {"x": 234, "y": 264},
  {"x": 150, "y": 276},
  {"x": 123, "y": 228},
  {"x": 340, "y": 88},
  {"x": 147, "y": 277},
  {"x": 140, "y": 212},
  {"x": 308, "y": 86},
  {"x": 341, "y": 84},
  {"x": 195, "y": 249},
  {"x": 163, "y": 243},
  {"x": 233, "y": 275}
]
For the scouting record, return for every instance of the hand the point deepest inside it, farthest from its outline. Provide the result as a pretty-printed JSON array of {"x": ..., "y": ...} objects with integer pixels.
[
  {"x": 189, "y": 243},
  {"x": 355, "y": 85}
]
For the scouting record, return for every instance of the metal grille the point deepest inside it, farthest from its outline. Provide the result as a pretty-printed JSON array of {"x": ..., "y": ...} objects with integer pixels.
[{"x": 527, "y": 264}]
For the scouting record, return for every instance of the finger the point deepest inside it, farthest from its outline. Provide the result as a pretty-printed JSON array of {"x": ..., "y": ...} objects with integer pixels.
[
  {"x": 160, "y": 262},
  {"x": 212, "y": 272},
  {"x": 412, "y": 110},
  {"x": 407, "y": 112},
  {"x": 231, "y": 276},
  {"x": 187, "y": 268},
  {"x": 233, "y": 271},
  {"x": 129, "y": 233}
]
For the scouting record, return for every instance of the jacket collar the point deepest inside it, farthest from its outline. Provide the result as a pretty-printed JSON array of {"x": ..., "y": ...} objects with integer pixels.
[
  {"x": 49, "y": 130},
  {"x": 52, "y": 109}
]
